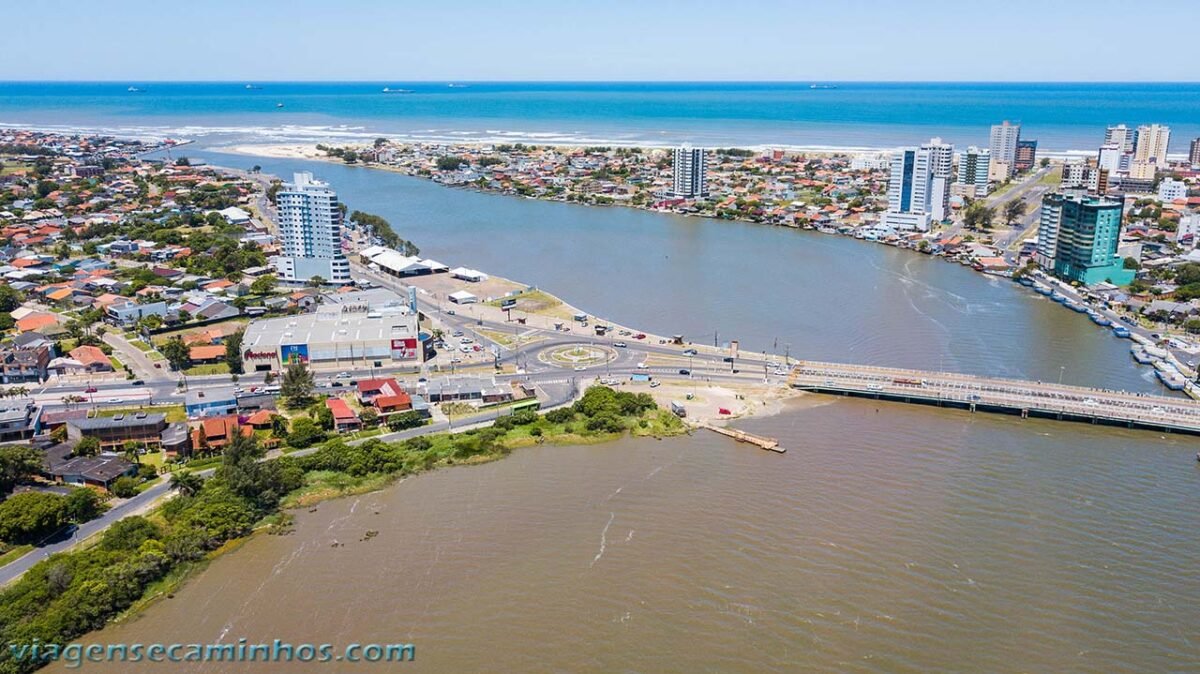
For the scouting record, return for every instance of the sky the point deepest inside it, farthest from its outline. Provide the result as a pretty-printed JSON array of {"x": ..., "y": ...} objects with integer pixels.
[{"x": 643, "y": 40}]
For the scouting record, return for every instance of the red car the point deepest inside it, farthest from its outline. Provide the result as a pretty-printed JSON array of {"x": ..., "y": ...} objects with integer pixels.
[
  {"x": 90, "y": 389},
  {"x": 640, "y": 335}
]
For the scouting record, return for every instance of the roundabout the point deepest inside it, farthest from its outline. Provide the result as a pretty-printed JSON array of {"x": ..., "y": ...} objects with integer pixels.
[{"x": 577, "y": 355}]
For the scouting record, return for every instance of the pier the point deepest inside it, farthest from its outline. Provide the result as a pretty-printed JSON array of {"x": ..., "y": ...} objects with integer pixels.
[
  {"x": 749, "y": 438},
  {"x": 1005, "y": 396}
]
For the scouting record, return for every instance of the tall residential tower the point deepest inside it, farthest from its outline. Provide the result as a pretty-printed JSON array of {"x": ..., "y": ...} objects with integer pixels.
[
  {"x": 1078, "y": 238},
  {"x": 690, "y": 179},
  {"x": 919, "y": 185},
  {"x": 1004, "y": 147},
  {"x": 310, "y": 225}
]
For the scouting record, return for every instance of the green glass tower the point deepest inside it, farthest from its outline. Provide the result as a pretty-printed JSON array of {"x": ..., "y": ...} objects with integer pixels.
[{"x": 1084, "y": 232}]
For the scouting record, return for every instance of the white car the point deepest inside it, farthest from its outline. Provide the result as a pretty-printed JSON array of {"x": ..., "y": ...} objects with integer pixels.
[
  {"x": 580, "y": 368},
  {"x": 342, "y": 375}
]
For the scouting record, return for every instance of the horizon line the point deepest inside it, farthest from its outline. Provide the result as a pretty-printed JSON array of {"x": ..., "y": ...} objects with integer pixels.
[{"x": 577, "y": 81}]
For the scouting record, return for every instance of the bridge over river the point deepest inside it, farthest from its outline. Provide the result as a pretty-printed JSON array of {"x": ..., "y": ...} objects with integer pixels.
[{"x": 1006, "y": 396}]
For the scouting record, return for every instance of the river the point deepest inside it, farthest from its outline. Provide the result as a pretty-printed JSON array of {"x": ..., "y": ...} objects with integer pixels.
[{"x": 888, "y": 539}]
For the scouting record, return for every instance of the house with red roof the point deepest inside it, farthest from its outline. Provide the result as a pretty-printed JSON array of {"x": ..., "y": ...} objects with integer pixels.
[
  {"x": 91, "y": 358},
  {"x": 344, "y": 418}
]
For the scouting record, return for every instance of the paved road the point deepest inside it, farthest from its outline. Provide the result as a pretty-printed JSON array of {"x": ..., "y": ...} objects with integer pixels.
[{"x": 138, "y": 504}]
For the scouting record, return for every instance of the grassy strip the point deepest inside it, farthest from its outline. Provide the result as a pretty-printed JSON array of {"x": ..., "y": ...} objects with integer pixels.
[
  {"x": 174, "y": 412},
  {"x": 14, "y": 553}
]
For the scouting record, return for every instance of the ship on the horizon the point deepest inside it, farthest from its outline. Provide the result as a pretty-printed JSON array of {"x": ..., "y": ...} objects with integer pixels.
[
  {"x": 389, "y": 90},
  {"x": 452, "y": 85},
  {"x": 251, "y": 86},
  {"x": 134, "y": 90},
  {"x": 822, "y": 86}
]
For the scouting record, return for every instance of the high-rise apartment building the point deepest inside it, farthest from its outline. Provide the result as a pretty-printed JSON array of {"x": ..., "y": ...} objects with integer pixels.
[
  {"x": 1078, "y": 238},
  {"x": 690, "y": 180},
  {"x": 1194, "y": 153},
  {"x": 1026, "y": 155},
  {"x": 973, "y": 168},
  {"x": 1151, "y": 144},
  {"x": 1121, "y": 136},
  {"x": 310, "y": 226},
  {"x": 1003, "y": 144},
  {"x": 919, "y": 185}
]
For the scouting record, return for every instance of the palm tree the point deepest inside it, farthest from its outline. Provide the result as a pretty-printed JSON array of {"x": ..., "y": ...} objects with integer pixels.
[
  {"x": 132, "y": 449},
  {"x": 187, "y": 482}
]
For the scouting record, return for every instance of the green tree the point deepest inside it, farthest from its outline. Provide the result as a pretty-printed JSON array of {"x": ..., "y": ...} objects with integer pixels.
[
  {"x": 186, "y": 482},
  {"x": 978, "y": 216},
  {"x": 177, "y": 353},
  {"x": 316, "y": 281},
  {"x": 132, "y": 451},
  {"x": 87, "y": 446},
  {"x": 233, "y": 352},
  {"x": 83, "y": 504},
  {"x": 125, "y": 487},
  {"x": 304, "y": 433},
  {"x": 31, "y": 516},
  {"x": 323, "y": 416},
  {"x": 297, "y": 385},
  {"x": 1013, "y": 210},
  {"x": 264, "y": 285},
  {"x": 1131, "y": 263},
  {"x": 17, "y": 462}
]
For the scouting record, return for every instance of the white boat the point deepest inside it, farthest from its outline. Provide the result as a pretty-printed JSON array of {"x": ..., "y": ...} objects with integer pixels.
[
  {"x": 133, "y": 90},
  {"x": 279, "y": 105},
  {"x": 389, "y": 90}
]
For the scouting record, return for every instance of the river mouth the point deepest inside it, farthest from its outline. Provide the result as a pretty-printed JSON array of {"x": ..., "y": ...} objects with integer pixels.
[{"x": 923, "y": 539}]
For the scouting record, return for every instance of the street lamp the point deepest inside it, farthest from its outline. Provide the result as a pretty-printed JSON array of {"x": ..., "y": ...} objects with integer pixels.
[{"x": 1061, "y": 369}]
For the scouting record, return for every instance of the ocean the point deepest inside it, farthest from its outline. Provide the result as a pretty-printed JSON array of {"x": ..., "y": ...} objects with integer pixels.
[{"x": 1063, "y": 117}]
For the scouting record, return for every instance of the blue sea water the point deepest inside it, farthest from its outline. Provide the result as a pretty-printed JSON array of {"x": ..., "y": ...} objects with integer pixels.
[{"x": 1063, "y": 117}]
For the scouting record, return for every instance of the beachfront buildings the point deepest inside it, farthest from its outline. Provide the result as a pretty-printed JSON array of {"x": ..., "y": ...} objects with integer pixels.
[
  {"x": 973, "y": 172},
  {"x": 310, "y": 226},
  {"x": 1194, "y": 152},
  {"x": 1078, "y": 238},
  {"x": 689, "y": 173},
  {"x": 1121, "y": 136},
  {"x": 1149, "y": 151},
  {"x": 1026, "y": 155},
  {"x": 1151, "y": 143},
  {"x": 919, "y": 186},
  {"x": 1003, "y": 147}
]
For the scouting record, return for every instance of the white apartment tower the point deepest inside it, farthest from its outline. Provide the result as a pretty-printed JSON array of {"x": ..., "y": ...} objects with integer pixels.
[
  {"x": 1121, "y": 136},
  {"x": 973, "y": 169},
  {"x": 1003, "y": 144},
  {"x": 1109, "y": 158},
  {"x": 690, "y": 167},
  {"x": 310, "y": 226},
  {"x": 919, "y": 185}
]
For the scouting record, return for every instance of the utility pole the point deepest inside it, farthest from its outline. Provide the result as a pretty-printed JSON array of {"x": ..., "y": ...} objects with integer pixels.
[{"x": 787, "y": 354}]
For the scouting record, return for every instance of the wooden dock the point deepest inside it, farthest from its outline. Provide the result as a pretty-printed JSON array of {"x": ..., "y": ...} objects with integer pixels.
[
  {"x": 749, "y": 438},
  {"x": 1006, "y": 396}
]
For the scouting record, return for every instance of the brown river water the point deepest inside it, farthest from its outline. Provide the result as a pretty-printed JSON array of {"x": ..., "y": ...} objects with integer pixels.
[{"x": 927, "y": 540}]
